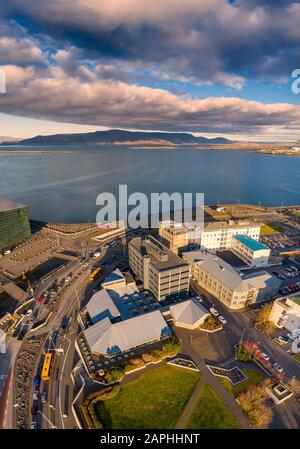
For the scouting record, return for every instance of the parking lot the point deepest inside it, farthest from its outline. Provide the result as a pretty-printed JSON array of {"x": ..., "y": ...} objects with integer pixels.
[{"x": 277, "y": 241}]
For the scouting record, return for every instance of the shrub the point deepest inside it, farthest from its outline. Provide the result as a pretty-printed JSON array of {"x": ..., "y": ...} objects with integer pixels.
[
  {"x": 243, "y": 355},
  {"x": 137, "y": 362},
  {"x": 128, "y": 368},
  {"x": 147, "y": 358},
  {"x": 114, "y": 374}
]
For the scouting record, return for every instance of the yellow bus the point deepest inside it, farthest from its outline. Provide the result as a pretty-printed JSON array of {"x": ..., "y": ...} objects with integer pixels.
[
  {"x": 95, "y": 273},
  {"x": 47, "y": 366}
]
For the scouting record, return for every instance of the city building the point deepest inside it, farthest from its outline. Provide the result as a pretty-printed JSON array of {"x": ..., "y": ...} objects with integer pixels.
[
  {"x": 14, "y": 224},
  {"x": 222, "y": 281},
  {"x": 285, "y": 312},
  {"x": 218, "y": 235},
  {"x": 250, "y": 251},
  {"x": 267, "y": 285},
  {"x": 174, "y": 237},
  {"x": 109, "y": 339},
  {"x": 100, "y": 306},
  {"x": 188, "y": 314},
  {"x": 162, "y": 272},
  {"x": 117, "y": 319}
]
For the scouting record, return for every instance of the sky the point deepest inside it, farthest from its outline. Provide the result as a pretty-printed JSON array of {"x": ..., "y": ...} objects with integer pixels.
[{"x": 212, "y": 68}]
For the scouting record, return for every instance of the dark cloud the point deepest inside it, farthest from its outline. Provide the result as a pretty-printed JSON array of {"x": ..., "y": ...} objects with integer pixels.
[
  {"x": 204, "y": 40},
  {"x": 86, "y": 61}
]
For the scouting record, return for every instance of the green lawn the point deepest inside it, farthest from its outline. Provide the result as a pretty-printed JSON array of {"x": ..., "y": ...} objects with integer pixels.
[
  {"x": 211, "y": 413},
  {"x": 267, "y": 228},
  {"x": 254, "y": 377},
  {"x": 154, "y": 401},
  {"x": 297, "y": 357}
]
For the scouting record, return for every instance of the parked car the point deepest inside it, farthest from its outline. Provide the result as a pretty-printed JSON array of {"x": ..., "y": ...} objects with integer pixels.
[
  {"x": 277, "y": 367},
  {"x": 214, "y": 311},
  {"x": 222, "y": 319},
  {"x": 265, "y": 356},
  {"x": 44, "y": 397},
  {"x": 33, "y": 425},
  {"x": 35, "y": 396}
]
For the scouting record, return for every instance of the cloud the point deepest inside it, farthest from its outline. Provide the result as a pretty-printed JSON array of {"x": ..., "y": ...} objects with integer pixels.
[
  {"x": 53, "y": 94},
  {"x": 209, "y": 42},
  {"x": 105, "y": 62}
]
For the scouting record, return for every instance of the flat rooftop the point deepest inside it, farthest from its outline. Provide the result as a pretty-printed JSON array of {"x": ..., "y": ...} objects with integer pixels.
[
  {"x": 231, "y": 224},
  {"x": 6, "y": 205},
  {"x": 160, "y": 256},
  {"x": 252, "y": 244}
]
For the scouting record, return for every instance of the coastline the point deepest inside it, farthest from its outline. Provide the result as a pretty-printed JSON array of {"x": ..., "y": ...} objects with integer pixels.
[{"x": 7, "y": 152}]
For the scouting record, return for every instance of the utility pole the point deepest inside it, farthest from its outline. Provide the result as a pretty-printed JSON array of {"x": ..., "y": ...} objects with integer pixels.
[{"x": 31, "y": 289}]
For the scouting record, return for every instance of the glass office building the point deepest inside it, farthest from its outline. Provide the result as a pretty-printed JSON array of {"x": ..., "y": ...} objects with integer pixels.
[{"x": 14, "y": 224}]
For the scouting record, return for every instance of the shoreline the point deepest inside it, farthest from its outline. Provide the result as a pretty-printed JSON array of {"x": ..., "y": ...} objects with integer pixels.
[
  {"x": 262, "y": 149},
  {"x": 7, "y": 152}
]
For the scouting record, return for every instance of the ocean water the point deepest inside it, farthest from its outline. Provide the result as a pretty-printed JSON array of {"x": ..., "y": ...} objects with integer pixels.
[{"x": 63, "y": 187}]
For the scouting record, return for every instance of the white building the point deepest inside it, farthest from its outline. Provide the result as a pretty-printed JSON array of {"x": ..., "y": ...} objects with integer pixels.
[
  {"x": 188, "y": 314},
  {"x": 285, "y": 312},
  {"x": 225, "y": 283},
  {"x": 218, "y": 235},
  {"x": 215, "y": 235},
  {"x": 108, "y": 339},
  {"x": 250, "y": 251}
]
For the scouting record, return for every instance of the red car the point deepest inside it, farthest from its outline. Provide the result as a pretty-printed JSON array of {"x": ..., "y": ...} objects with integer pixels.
[{"x": 41, "y": 299}]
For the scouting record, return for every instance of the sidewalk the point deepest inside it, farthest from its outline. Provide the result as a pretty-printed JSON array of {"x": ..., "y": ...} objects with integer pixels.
[{"x": 220, "y": 390}]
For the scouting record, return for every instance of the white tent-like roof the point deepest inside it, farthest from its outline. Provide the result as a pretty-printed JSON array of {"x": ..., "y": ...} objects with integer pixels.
[
  {"x": 101, "y": 305},
  {"x": 189, "y": 314},
  {"x": 110, "y": 339}
]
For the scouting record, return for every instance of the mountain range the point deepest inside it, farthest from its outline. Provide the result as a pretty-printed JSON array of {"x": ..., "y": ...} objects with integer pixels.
[{"x": 116, "y": 136}]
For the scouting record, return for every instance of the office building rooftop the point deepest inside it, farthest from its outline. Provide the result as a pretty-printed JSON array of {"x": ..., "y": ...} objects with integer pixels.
[
  {"x": 6, "y": 205},
  {"x": 160, "y": 256},
  {"x": 248, "y": 241}
]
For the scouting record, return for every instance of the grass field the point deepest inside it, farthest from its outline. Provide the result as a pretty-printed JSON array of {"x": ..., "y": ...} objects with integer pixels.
[
  {"x": 297, "y": 357},
  {"x": 254, "y": 377},
  {"x": 154, "y": 401},
  {"x": 211, "y": 413},
  {"x": 268, "y": 229}
]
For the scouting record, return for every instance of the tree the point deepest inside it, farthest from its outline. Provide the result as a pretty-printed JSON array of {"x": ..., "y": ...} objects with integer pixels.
[
  {"x": 260, "y": 416},
  {"x": 294, "y": 385},
  {"x": 262, "y": 320},
  {"x": 253, "y": 404}
]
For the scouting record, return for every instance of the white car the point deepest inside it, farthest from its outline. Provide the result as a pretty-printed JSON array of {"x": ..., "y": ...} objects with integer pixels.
[
  {"x": 199, "y": 299},
  {"x": 68, "y": 278},
  {"x": 214, "y": 311},
  {"x": 265, "y": 356},
  {"x": 97, "y": 254},
  {"x": 35, "y": 396},
  {"x": 277, "y": 367},
  {"x": 222, "y": 319},
  {"x": 29, "y": 312}
]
